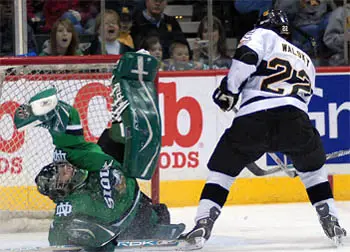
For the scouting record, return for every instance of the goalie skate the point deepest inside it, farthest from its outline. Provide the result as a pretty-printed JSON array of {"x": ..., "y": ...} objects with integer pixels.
[{"x": 330, "y": 225}]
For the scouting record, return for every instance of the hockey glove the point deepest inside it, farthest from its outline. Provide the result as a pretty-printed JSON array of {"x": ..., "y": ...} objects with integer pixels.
[{"x": 225, "y": 99}]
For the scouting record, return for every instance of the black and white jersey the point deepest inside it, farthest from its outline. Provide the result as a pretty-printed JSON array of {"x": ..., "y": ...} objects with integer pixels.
[{"x": 281, "y": 75}]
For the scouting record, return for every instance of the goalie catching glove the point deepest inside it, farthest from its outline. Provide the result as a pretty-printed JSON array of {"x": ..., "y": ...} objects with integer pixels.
[{"x": 224, "y": 98}]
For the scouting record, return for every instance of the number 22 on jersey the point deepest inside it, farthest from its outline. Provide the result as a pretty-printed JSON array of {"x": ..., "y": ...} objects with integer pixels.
[{"x": 280, "y": 70}]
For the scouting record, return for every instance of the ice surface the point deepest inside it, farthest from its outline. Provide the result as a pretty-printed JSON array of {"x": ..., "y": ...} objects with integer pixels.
[{"x": 254, "y": 228}]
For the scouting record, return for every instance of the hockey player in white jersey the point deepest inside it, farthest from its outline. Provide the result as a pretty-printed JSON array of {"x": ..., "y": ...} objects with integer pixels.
[{"x": 275, "y": 80}]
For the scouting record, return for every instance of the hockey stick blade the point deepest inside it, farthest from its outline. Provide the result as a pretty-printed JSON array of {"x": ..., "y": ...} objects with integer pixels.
[{"x": 258, "y": 171}]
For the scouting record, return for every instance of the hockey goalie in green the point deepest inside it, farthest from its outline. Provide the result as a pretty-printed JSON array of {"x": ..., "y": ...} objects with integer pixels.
[{"x": 96, "y": 194}]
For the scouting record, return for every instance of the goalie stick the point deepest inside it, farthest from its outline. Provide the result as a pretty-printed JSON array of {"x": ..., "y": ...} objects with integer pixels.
[
  {"x": 131, "y": 245},
  {"x": 290, "y": 170},
  {"x": 258, "y": 171},
  {"x": 336, "y": 154},
  {"x": 67, "y": 248}
]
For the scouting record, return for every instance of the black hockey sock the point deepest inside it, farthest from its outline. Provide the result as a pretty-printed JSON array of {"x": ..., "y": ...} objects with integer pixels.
[
  {"x": 215, "y": 193},
  {"x": 319, "y": 192}
]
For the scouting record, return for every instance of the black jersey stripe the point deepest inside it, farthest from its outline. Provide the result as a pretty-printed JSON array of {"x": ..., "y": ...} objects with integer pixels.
[
  {"x": 78, "y": 132},
  {"x": 260, "y": 98},
  {"x": 246, "y": 55}
]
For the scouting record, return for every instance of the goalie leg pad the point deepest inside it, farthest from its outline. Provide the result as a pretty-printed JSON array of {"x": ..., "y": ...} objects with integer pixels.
[{"x": 89, "y": 234}]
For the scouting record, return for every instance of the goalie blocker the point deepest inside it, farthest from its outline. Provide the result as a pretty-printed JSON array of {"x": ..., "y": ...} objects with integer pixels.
[{"x": 135, "y": 136}]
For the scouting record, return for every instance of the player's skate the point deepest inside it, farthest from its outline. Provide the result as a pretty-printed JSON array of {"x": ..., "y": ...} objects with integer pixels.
[
  {"x": 330, "y": 224},
  {"x": 203, "y": 226}
]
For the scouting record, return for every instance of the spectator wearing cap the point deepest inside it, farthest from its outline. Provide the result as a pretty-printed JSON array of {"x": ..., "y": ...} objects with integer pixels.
[
  {"x": 118, "y": 5},
  {"x": 75, "y": 18},
  {"x": 125, "y": 26},
  {"x": 153, "y": 21}
]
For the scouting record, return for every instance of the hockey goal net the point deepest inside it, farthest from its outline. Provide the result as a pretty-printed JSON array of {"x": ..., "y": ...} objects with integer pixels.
[{"x": 83, "y": 82}]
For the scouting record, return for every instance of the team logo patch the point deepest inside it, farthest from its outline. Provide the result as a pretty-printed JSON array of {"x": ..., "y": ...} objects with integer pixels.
[
  {"x": 63, "y": 209},
  {"x": 59, "y": 155}
]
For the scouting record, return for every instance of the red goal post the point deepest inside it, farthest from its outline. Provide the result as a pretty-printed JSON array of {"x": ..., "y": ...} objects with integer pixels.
[{"x": 82, "y": 81}]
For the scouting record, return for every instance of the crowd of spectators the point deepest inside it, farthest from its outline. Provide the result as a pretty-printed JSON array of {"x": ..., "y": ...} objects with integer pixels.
[{"x": 128, "y": 25}]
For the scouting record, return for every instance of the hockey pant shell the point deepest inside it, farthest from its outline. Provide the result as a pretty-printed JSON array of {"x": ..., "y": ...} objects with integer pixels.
[
  {"x": 111, "y": 147},
  {"x": 285, "y": 129},
  {"x": 161, "y": 210}
]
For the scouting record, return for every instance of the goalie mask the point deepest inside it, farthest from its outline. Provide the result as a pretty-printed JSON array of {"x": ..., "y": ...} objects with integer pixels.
[
  {"x": 275, "y": 20},
  {"x": 44, "y": 103},
  {"x": 58, "y": 179}
]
